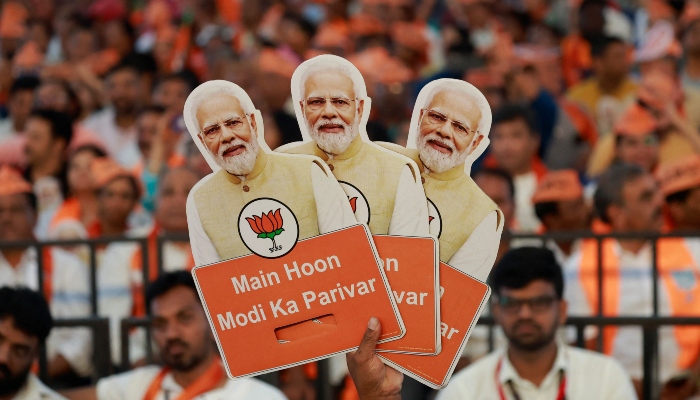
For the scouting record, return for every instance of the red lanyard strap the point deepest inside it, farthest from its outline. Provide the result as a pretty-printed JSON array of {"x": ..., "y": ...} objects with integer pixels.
[{"x": 561, "y": 393}]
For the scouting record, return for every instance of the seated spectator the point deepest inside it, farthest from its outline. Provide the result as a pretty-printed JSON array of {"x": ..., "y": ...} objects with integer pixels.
[
  {"x": 514, "y": 145},
  {"x": 660, "y": 96},
  {"x": 528, "y": 305},
  {"x": 171, "y": 91},
  {"x": 576, "y": 47},
  {"x": 25, "y": 323},
  {"x": 680, "y": 184},
  {"x": 48, "y": 134},
  {"x": 191, "y": 360},
  {"x": 116, "y": 124},
  {"x": 607, "y": 93},
  {"x": 560, "y": 205},
  {"x": 118, "y": 192},
  {"x": 690, "y": 74},
  {"x": 157, "y": 142},
  {"x": 66, "y": 278},
  {"x": 19, "y": 105},
  {"x": 629, "y": 200},
  {"x": 79, "y": 210},
  {"x": 498, "y": 186}
]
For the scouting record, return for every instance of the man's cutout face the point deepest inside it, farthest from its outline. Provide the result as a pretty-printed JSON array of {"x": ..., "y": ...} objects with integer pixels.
[
  {"x": 225, "y": 131},
  {"x": 331, "y": 111},
  {"x": 448, "y": 127}
]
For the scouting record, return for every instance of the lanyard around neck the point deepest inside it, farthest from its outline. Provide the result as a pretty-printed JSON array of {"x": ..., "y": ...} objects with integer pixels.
[{"x": 561, "y": 393}]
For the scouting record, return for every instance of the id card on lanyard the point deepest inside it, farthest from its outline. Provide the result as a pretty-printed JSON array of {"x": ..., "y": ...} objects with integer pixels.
[{"x": 561, "y": 392}]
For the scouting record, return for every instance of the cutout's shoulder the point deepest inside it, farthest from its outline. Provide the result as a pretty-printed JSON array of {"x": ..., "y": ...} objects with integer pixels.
[{"x": 410, "y": 153}]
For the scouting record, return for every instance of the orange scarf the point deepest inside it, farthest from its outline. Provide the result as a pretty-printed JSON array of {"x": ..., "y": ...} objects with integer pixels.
[{"x": 207, "y": 382}]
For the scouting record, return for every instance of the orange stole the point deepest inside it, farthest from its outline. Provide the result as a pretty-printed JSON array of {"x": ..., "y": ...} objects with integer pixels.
[
  {"x": 207, "y": 382},
  {"x": 673, "y": 257}
]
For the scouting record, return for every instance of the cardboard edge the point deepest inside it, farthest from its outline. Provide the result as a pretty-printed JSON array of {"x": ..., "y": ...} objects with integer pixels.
[
  {"x": 458, "y": 355},
  {"x": 216, "y": 336}
]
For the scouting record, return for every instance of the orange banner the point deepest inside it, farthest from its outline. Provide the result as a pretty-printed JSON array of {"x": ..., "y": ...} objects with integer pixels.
[
  {"x": 312, "y": 303},
  {"x": 412, "y": 265},
  {"x": 461, "y": 302}
]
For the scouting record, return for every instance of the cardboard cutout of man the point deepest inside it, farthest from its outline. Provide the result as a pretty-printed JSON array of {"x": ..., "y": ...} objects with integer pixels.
[
  {"x": 448, "y": 131},
  {"x": 228, "y": 131},
  {"x": 332, "y": 107}
]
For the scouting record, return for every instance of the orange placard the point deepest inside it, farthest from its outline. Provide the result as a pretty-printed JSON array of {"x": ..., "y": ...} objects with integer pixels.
[
  {"x": 412, "y": 266},
  {"x": 463, "y": 298},
  {"x": 310, "y": 304}
]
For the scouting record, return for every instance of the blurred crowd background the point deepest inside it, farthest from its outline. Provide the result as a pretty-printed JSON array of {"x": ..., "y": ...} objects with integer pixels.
[{"x": 596, "y": 110}]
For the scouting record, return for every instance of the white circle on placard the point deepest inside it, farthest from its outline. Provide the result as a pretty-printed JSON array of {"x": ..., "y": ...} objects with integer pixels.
[
  {"x": 268, "y": 228},
  {"x": 358, "y": 202},
  {"x": 434, "y": 219}
]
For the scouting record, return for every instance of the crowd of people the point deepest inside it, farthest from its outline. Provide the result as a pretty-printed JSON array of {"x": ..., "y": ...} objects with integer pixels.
[{"x": 595, "y": 130}]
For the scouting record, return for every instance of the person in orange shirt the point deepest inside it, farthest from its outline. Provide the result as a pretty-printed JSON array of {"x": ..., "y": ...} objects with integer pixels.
[{"x": 629, "y": 200}]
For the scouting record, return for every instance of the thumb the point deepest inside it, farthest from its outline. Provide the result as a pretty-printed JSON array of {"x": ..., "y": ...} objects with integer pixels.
[{"x": 369, "y": 341}]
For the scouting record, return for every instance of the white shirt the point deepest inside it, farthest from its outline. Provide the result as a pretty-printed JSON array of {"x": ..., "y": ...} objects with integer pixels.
[
  {"x": 589, "y": 375},
  {"x": 525, "y": 186},
  {"x": 410, "y": 215},
  {"x": 332, "y": 209},
  {"x": 34, "y": 389},
  {"x": 134, "y": 384},
  {"x": 121, "y": 143},
  {"x": 71, "y": 299},
  {"x": 478, "y": 253}
]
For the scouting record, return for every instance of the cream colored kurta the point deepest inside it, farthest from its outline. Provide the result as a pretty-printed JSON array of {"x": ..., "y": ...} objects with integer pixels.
[
  {"x": 300, "y": 182},
  {"x": 388, "y": 180},
  {"x": 471, "y": 223}
]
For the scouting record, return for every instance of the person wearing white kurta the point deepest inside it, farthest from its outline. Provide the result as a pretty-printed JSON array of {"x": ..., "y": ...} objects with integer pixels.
[
  {"x": 134, "y": 384},
  {"x": 34, "y": 389},
  {"x": 70, "y": 299},
  {"x": 589, "y": 375}
]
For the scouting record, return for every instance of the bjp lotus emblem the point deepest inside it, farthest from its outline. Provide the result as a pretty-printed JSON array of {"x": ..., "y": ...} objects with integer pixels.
[
  {"x": 267, "y": 226},
  {"x": 353, "y": 203}
]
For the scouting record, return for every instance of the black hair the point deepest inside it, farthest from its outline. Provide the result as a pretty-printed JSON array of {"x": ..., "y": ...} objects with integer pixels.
[
  {"x": 126, "y": 27},
  {"x": 28, "y": 310},
  {"x": 587, "y": 3},
  {"x": 33, "y": 202},
  {"x": 142, "y": 63},
  {"x": 307, "y": 27},
  {"x": 501, "y": 174},
  {"x": 610, "y": 186},
  {"x": 166, "y": 282},
  {"x": 601, "y": 43},
  {"x": 24, "y": 83},
  {"x": 513, "y": 112},
  {"x": 679, "y": 197},
  {"x": 542, "y": 210},
  {"x": 124, "y": 65},
  {"x": 152, "y": 108},
  {"x": 186, "y": 76},
  {"x": 133, "y": 182},
  {"x": 521, "y": 266},
  {"x": 61, "y": 123},
  {"x": 96, "y": 150}
]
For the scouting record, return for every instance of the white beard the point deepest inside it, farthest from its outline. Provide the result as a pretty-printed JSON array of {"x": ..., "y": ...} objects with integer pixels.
[
  {"x": 241, "y": 164},
  {"x": 333, "y": 143},
  {"x": 435, "y": 160}
]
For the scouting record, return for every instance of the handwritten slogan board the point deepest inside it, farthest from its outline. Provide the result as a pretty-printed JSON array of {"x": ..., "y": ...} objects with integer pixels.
[
  {"x": 462, "y": 300},
  {"x": 411, "y": 264},
  {"x": 312, "y": 303}
]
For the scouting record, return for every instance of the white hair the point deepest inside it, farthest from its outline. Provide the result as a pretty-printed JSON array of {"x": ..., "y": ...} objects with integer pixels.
[
  {"x": 209, "y": 89},
  {"x": 330, "y": 63},
  {"x": 470, "y": 91}
]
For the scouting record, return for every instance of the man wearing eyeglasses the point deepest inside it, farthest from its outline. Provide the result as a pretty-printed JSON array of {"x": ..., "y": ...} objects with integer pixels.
[
  {"x": 382, "y": 186},
  {"x": 528, "y": 305},
  {"x": 221, "y": 120},
  {"x": 453, "y": 120}
]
